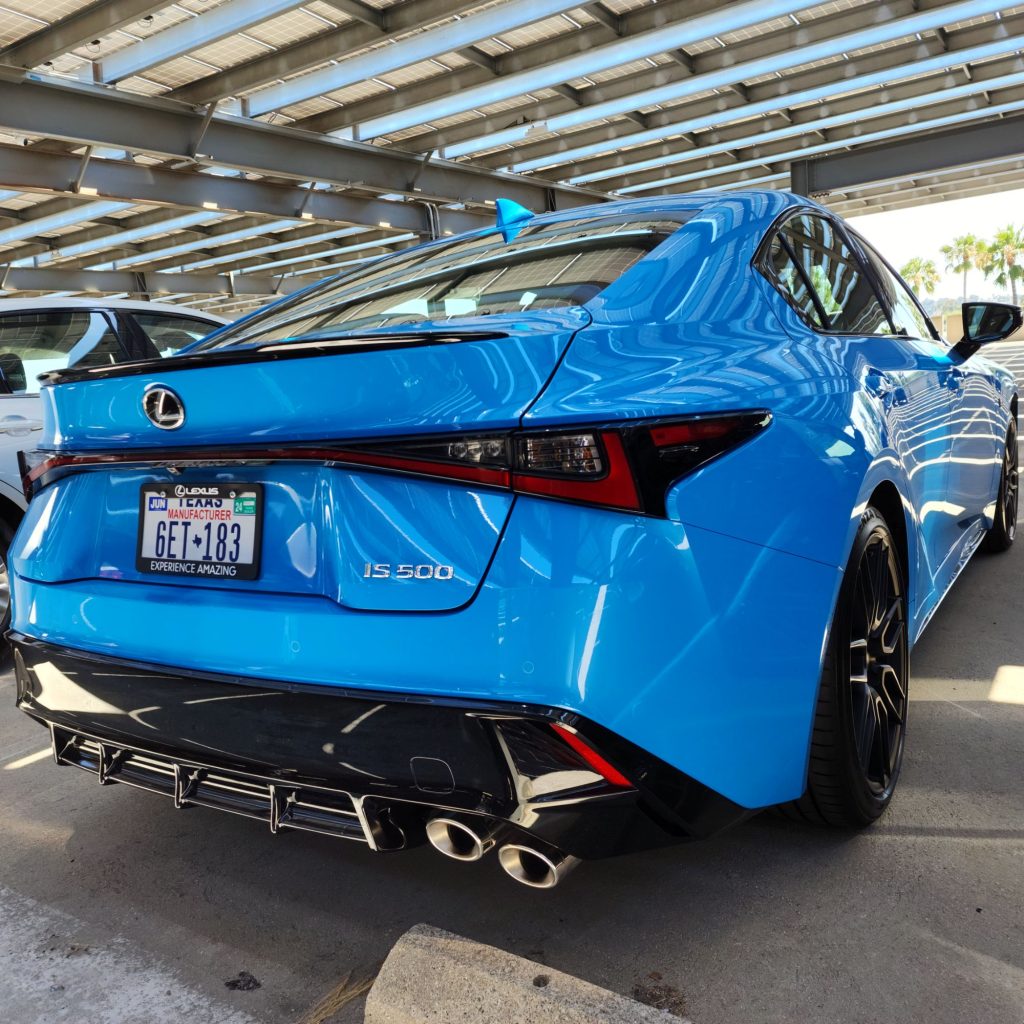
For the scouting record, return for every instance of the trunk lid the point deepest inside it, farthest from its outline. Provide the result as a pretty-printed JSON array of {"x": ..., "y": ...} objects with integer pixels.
[{"x": 361, "y": 538}]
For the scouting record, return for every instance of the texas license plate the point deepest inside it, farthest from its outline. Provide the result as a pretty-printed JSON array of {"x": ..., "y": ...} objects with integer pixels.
[{"x": 200, "y": 530}]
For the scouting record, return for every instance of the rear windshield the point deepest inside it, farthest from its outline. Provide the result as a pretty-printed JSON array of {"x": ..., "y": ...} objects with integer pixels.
[{"x": 545, "y": 266}]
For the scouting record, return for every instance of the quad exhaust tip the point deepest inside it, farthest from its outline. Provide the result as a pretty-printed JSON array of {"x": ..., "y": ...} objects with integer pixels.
[
  {"x": 458, "y": 840},
  {"x": 531, "y": 867}
]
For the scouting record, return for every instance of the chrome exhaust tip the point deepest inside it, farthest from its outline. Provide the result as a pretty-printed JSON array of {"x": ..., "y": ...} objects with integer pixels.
[
  {"x": 533, "y": 868},
  {"x": 456, "y": 839}
]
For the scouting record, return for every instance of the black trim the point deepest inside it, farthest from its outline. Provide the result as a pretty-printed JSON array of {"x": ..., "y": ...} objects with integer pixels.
[
  {"x": 271, "y": 352},
  {"x": 863, "y": 247},
  {"x": 410, "y": 754},
  {"x": 759, "y": 264}
]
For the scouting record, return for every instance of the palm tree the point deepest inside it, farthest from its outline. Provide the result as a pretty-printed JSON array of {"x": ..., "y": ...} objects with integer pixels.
[
  {"x": 961, "y": 255},
  {"x": 922, "y": 275},
  {"x": 1006, "y": 252}
]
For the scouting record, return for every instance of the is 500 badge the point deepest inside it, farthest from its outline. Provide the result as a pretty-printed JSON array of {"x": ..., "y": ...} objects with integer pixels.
[{"x": 387, "y": 571}]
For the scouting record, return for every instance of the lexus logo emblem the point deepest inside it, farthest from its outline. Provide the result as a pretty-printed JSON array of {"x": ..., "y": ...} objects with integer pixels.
[{"x": 163, "y": 407}]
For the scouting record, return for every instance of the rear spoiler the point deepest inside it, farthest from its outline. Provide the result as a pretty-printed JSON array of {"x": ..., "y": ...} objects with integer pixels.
[{"x": 267, "y": 353}]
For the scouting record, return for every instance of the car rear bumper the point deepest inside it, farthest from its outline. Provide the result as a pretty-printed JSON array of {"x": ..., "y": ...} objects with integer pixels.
[{"x": 374, "y": 767}]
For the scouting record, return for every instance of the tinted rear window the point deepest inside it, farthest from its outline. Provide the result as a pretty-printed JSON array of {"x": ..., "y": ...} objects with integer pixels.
[{"x": 545, "y": 266}]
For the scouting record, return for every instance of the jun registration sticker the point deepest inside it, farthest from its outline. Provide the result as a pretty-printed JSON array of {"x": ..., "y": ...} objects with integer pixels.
[{"x": 206, "y": 531}]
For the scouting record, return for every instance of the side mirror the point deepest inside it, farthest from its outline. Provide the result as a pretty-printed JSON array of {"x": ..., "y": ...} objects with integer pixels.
[
  {"x": 985, "y": 322},
  {"x": 12, "y": 371}
]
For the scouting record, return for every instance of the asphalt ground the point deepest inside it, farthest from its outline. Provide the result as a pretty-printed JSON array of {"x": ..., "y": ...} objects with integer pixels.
[{"x": 116, "y": 908}]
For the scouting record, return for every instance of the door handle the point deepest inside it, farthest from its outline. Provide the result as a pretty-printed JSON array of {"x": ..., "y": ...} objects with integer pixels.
[
  {"x": 955, "y": 379},
  {"x": 879, "y": 384},
  {"x": 17, "y": 426}
]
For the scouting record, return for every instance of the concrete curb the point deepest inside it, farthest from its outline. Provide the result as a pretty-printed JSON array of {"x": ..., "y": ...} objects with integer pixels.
[{"x": 434, "y": 977}]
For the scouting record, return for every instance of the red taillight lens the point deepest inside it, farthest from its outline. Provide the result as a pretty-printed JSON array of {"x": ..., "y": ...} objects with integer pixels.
[
  {"x": 574, "y": 467},
  {"x": 711, "y": 428},
  {"x": 607, "y": 771},
  {"x": 624, "y": 466}
]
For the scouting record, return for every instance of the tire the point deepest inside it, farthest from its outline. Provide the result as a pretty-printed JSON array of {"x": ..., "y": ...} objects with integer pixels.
[
  {"x": 1004, "y": 524},
  {"x": 6, "y": 655},
  {"x": 860, "y": 719}
]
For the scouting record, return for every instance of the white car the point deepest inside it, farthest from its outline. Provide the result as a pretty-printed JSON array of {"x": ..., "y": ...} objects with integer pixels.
[{"x": 37, "y": 335}]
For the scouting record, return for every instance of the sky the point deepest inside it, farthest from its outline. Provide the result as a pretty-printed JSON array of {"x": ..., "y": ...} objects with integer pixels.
[{"x": 923, "y": 230}]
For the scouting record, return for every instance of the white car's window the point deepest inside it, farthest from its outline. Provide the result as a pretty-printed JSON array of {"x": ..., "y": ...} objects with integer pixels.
[
  {"x": 170, "y": 333},
  {"x": 35, "y": 343}
]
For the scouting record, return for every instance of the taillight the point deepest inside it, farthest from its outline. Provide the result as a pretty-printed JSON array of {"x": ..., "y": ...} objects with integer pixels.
[
  {"x": 602, "y": 478},
  {"x": 626, "y": 466}
]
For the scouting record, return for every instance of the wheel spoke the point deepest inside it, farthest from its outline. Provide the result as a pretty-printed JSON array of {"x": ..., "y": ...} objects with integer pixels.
[
  {"x": 859, "y": 661},
  {"x": 885, "y": 747},
  {"x": 890, "y": 631},
  {"x": 864, "y": 725},
  {"x": 892, "y": 692}
]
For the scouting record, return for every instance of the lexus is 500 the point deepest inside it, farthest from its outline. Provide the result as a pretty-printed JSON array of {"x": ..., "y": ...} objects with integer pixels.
[{"x": 580, "y": 534}]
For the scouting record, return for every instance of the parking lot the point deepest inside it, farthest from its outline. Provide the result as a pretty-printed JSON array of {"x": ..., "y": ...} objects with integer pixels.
[{"x": 118, "y": 908}]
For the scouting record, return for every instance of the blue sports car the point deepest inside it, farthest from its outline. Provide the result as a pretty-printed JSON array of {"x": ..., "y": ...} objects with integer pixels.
[{"x": 582, "y": 534}]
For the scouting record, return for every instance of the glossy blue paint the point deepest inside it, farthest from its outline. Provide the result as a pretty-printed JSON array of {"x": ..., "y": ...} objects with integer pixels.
[
  {"x": 698, "y": 637},
  {"x": 363, "y": 394},
  {"x": 322, "y": 527}
]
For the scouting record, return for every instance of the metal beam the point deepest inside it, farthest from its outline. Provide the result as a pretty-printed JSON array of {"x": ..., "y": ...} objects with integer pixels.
[
  {"x": 36, "y": 170},
  {"x": 978, "y": 42},
  {"x": 1007, "y": 101},
  {"x": 727, "y": 18},
  {"x": 57, "y": 221},
  {"x": 91, "y": 115},
  {"x": 321, "y": 48},
  {"x": 953, "y": 183},
  {"x": 115, "y": 239},
  {"x": 418, "y": 47},
  {"x": 54, "y": 279},
  {"x": 524, "y": 58},
  {"x": 932, "y": 152},
  {"x": 863, "y": 109},
  {"x": 728, "y": 71},
  {"x": 93, "y": 22},
  {"x": 96, "y": 230},
  {"x": 331, "y": 255},
  {"x": 191, "y": 34},
  {"x": 171, "y": 256}
]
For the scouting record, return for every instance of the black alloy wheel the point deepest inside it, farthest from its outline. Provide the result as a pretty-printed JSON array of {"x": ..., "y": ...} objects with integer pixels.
[
  {"x": 861, "y": 716},
  {"x": 1004, "y": 523}
]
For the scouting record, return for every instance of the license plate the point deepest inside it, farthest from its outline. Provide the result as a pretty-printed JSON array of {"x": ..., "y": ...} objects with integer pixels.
[{"x": 205, "y": 531}]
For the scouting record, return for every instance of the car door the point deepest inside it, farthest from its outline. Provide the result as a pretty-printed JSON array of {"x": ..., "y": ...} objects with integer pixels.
[
  {"x": 977, "y": 431},
  {"x": 901, "y": 377},
  {"x": 34, "y": 341}
]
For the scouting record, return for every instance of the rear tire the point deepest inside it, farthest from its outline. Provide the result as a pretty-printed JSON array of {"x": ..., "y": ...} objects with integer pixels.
[
  {"x": 1004, "y": 523},
  {"x": 860, "y": 719}
]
